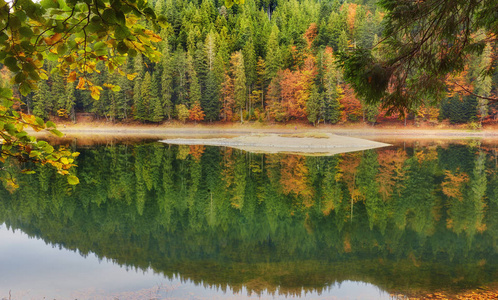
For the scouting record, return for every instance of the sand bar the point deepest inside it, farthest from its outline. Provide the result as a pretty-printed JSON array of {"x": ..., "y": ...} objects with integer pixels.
[{"x": 302, "y": 143}]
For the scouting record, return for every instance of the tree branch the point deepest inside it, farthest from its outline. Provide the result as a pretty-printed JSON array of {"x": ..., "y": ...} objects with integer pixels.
[{"x": 474, "y": 94}]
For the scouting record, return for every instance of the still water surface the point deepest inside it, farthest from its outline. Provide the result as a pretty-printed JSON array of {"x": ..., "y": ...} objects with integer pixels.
[{"x": 153, "y": 221}]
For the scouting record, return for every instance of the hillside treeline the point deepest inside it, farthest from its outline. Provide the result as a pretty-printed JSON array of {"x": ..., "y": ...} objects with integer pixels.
[{"x": 268, "y": 60}]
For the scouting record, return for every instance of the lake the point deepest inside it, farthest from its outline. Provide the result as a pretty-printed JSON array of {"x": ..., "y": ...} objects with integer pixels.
[{"x": 154, "y": 221}]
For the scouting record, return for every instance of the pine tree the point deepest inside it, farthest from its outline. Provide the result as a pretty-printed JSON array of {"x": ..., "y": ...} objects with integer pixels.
[
  {"x": 167, "y": 81},
  {"x": 139, "y": 110},
  {"x": 194, "y": 86},
  {"x": 156, "y": 109},
  {"x": 40, "y": 107},
  {"x": 240, "y": 89},
  {"x": 313, "y": 106},
  {"x": 273, "y": 59},
  {"x": 57, "y": 92},
  {"x": 70, "y": 101},
  {"x": 142, "y": 108},
  {"x": 250, "y": 68}
]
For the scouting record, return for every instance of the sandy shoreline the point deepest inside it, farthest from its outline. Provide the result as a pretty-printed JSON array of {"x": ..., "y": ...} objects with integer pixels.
[
  {"x": 237, "y": 129},
  {"x": 309, "y": 144},
  {"x": 88, "y": 134}
]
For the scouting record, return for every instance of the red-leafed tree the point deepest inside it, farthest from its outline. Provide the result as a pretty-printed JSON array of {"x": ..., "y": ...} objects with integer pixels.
[
  {"x": 352, "y": 110},
  {"x": 227, "y": 98},
  {"x": 196, "y": 113}
]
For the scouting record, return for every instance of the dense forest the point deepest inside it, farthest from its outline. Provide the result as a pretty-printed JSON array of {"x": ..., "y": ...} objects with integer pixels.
[
  {"x": 406, "y": 218},
  {"x": 265, "y": 60}
]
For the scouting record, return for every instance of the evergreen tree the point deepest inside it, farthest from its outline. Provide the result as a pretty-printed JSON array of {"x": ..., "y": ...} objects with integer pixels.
[
  {"x": 138, "y": 105},
  {"x": 69, "y": 106},
  {"x": 273, "y": 55},
  {"x": 240, "y": 89},
  {"x": 313, "y": 106},
  {"x": 156, "y": 109},
  {"x": 167, "y": 81},
  {"x": 194, "y": 86},
  {"x": 41, "y": 105}
]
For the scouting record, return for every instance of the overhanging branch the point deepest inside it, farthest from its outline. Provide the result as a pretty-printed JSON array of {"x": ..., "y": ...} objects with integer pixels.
[{"x": 474, "y": 94}]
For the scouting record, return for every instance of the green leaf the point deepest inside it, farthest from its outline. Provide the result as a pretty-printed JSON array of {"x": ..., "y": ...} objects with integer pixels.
[
  {"x": 24, "y": 88},
  {"x": 52, "y": 56},
  {"x": 57, "y": 132},
  {"x": 122, "y": 48},
  {"x": 14, "y": 22},
  {"x": 62, "y": 49},
  {"x": 120, "y": 18},
  {"x": 20, "y": 77},
  {"x": 149, "y": 12},
  {"x": 6, "y": 93},
  {"x": 26, "y": 32},
  {"x": 34, "y": 153},
  {"x": 121, "y": 32},
  {"x": 50, "y": 124},
  {"x": 109, "y": 16},
  {"x": 132, "y": 52},
  {"x": 11, "y": 63},
  {"x": 72, "y": 180},
  {"x": 40, "y": 122}
]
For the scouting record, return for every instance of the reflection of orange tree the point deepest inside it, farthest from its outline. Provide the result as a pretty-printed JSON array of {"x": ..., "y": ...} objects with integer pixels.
[
  {"x": 453, "y": 183},
  {"x": 391, "y": 171},
  {"x": 295, "y": 179},
  {"x": 234, "y": 172},
  {"x": 196, "y": 151},
  {"x": 349, "y": 165},
  {"x": 466, "y": 209}
]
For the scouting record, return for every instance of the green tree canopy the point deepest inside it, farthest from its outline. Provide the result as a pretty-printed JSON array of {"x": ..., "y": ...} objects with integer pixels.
[{"x": 424, "y": 42}]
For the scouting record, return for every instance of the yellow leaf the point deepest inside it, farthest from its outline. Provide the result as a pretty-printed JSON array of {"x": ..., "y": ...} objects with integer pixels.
[
  {"x": 131, "y": 76},
  {"x": 95, "y": 92},
  {"x": 64, "y": 160},
  {"x": 71, "y": 77},
  {"x": 81, "y": 84}
]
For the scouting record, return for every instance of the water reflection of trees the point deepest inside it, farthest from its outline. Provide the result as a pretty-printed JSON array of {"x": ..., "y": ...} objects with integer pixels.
[{"x": 400, "y": 218}]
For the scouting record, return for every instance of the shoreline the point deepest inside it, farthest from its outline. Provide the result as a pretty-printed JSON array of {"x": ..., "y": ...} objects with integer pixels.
[{"x": 86, "y": 129}]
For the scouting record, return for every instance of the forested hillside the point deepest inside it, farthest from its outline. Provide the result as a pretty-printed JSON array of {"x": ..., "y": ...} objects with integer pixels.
[{"x": 268, "y": 60}]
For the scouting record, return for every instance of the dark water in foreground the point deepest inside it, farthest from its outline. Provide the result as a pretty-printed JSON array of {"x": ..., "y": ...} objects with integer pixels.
[{"x": 153, "y": 221}]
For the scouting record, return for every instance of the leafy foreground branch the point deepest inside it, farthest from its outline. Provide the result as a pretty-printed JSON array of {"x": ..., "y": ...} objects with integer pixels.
[
  {"x": 17, "y": 144},
  {"x": 425, "y": 43},
  {"x": 77, "y": 34}
]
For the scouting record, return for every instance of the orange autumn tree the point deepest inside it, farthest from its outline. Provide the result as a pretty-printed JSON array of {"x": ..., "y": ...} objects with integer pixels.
[
  {"x": 290, "y": 91},
  {"x": 352, "y": 109},
  {"x": 196, "y": 113},
  {"x": 227, "y": 98}
]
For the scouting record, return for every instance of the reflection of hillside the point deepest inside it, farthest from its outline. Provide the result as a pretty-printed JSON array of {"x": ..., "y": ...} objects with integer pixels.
[{"x": 395, "y": 218}]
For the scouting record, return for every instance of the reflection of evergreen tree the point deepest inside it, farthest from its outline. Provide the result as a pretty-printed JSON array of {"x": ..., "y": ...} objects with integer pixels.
[{"x": 194, "y": 210}]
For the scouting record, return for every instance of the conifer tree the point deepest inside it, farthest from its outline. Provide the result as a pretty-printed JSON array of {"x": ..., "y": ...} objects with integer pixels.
[
  {"x": 156, "y": 109},
  {"x": 69, "y": 106},
  {"x": 240, "y": 89},
  {"x": 138, "y": 68},
  {"x": 194, "y": 86},
  {"x": 167, "y": 81},
  {"x": 41, "y": 107},
  {"x": 273, "y": 59},
  {"x": 250, "y": 67}
]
